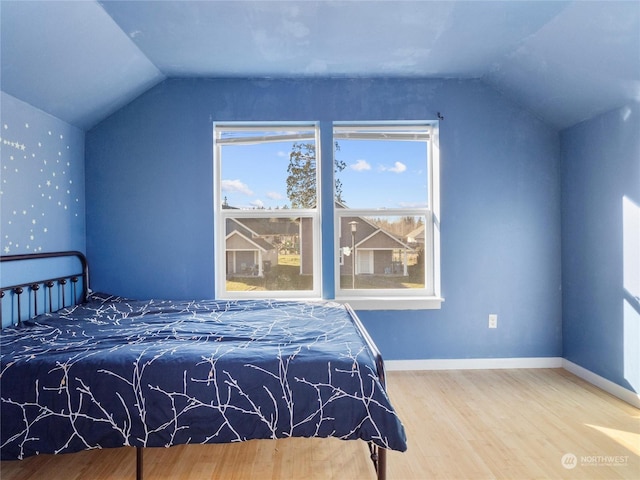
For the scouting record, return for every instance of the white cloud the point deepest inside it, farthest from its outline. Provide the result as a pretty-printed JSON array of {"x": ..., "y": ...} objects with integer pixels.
[
  {"x": 257, "y": 203},
  {"x": 236, "y": 186},
  {"x": 274, "y": 195},
  {"x": 360, "y": 166},
  {"x": 398, "y": 167}
]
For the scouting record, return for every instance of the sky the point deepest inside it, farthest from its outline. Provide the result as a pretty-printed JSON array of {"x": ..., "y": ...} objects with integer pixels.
[{"x": 378, "y": 174}]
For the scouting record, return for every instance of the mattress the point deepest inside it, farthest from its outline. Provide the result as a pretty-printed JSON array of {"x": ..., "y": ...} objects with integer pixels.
[{"x": 114, "y": 372}]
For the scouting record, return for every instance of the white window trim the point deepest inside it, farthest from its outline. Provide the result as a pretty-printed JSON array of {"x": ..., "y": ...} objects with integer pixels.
[
  {"x": 397, "y": 299},
  {"x": 221, "y": 215},
  {"x": 389, "y": 302},
  {"x": 365, "y": 299}
]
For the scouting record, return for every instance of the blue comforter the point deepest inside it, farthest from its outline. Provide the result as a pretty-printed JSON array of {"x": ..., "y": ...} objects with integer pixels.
[{"x": 113, "y": 372}]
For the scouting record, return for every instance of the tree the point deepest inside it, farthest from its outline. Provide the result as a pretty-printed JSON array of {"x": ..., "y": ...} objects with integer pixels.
[{"x": 301, "y": 181}]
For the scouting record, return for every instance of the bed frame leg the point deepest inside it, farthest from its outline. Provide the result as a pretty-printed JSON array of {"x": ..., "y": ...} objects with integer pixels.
[
  {"x": 379, "y": 459},
  {"x": 382, "y": 464},
  {"x": 138, "y": 463}
]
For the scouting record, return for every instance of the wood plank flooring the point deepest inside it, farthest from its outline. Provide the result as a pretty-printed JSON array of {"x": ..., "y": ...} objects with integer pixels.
[{"x": 467, "y": 425}]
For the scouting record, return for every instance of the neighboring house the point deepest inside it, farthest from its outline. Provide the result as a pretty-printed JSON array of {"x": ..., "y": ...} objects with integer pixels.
[
  {"x": 306, "y": 246},
  {"x": 375, "y": 250},
  {"x": 416, "y": 237},
  {"x": 253, "y": 244},
  {"x": 248, "y": 252}
]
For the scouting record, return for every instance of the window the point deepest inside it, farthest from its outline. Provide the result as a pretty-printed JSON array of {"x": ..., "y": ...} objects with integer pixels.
[
  {"x": 386, "y": 213},
  {"x": 384, "y": 240},
  {"x": 267, "y": 220}
]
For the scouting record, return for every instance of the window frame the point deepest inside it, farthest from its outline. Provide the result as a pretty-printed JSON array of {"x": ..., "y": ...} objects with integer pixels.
[
  {"x": 326, "y": 224},
  {"x": 428, "y": 297},
  {"x": 221, "y": 215}
]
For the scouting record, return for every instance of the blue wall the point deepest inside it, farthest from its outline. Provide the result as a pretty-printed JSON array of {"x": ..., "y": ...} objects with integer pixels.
[
  {"x": 42, "y": 181},
  {"x": 150, "y": 203},
  {"x": 42, "y": 202},
  {"x": 601, "y": 245},
  {"x": 149, "y": 206}
]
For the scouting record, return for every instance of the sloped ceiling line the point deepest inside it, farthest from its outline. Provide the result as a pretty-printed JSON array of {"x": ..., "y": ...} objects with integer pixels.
[{"x": 80, "y": 61}]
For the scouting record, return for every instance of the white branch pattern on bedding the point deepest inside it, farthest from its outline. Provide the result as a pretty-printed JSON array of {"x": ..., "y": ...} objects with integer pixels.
[{"x": 114, "y": 372}]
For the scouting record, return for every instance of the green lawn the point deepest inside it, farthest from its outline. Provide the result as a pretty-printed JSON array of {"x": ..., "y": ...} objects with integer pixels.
[
  {"x": 280, "y": 277},
  {"x": 379, "y": 281},
  {"x": 286, "y": 276}
]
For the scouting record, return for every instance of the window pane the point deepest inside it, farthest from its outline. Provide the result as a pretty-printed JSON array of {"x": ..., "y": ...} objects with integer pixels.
[
  {"x": 380, "y": 172},
  {"x": 382, "y": 252},
  {"x": 269, "y": 253},
  {"x": 263, "y": 169}
]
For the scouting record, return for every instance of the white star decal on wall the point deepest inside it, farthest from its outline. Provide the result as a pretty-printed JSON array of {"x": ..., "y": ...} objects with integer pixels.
[{"x": 30, "y": 172}]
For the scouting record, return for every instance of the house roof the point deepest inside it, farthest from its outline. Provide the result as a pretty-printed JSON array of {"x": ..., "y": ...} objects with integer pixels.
[
  {"x": 416, "y": 235},
  {"x": 247, "y": 243},
  {"x": 566, "y": 61},
  {"x": 382, "y": 239}
]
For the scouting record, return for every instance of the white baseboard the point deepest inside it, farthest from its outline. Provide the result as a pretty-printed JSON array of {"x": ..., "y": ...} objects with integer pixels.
[
  {"x": 473, "y": 363},
  {"x": 608, "y": 386}
]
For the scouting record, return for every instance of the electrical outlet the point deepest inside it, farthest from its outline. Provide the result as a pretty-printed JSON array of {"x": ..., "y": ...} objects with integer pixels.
[{"x": 493, "y": 320}]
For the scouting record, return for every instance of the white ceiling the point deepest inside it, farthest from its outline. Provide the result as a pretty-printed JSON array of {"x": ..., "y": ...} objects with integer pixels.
[{"x": 80, "y": 61}]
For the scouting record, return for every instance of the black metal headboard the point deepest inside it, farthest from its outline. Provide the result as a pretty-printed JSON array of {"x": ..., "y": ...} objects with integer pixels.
[{"x": 38, "y": 296}]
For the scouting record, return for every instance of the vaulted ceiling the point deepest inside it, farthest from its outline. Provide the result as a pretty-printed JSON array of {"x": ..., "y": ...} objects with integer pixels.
[{"x": 80, "y": 61}]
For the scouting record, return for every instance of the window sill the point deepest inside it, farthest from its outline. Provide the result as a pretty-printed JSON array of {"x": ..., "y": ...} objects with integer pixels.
[{"x": 392, "y": 303}]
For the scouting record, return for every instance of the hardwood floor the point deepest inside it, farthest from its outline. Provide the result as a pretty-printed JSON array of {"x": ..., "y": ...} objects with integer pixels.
[
  {"x": 472, "y": 424},
  {"x": 511, "y": 424}
]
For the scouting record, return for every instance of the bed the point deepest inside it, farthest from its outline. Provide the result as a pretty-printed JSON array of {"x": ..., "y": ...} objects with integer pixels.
[{"x": 84, "y": 370}]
